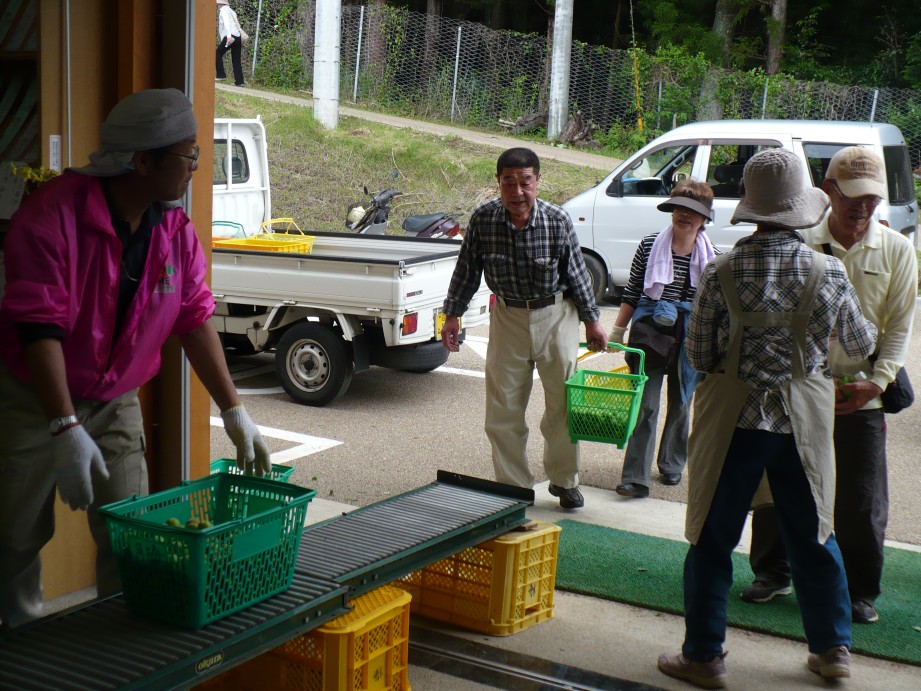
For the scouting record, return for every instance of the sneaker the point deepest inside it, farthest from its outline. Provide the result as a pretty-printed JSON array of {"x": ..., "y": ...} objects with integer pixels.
[
  {"x": 220, "y": 79},
  {"x": 835, "y": 663},
  {"x": 570, "y": 498},
  {"x": 764, "y": 590},
  {"x": 707, "y": 675},
  {"x": 863, "y": 612},
  {"x": 632, "y": 489}
]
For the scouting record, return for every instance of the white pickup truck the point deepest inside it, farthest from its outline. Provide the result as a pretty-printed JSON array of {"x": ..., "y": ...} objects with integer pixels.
[{"x": 352, "y": 302}]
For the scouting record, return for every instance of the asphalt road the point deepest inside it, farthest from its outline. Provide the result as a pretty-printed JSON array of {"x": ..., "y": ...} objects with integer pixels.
[{"x": 392, "y": 430}]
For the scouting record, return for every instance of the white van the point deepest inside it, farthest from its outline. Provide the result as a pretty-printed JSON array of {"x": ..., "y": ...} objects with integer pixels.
[{"x": 613, "y": 217}]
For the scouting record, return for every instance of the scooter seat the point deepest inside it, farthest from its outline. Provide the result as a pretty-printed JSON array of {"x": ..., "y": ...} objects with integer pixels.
[{"x": 416, "y": 224}]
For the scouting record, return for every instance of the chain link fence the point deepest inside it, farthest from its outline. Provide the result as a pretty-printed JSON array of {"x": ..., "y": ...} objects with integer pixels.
[{"x": 443, "y": 69}]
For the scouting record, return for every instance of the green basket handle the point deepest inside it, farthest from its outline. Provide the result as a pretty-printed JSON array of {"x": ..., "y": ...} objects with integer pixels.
[{"x": 626, "y": 349}]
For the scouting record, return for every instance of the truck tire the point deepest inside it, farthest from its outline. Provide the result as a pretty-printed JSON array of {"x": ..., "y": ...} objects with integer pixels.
[
  {"x": 313, "y": 363},
  {"x": 422, "y": 357},
  {"x": 598, "y": 275}
]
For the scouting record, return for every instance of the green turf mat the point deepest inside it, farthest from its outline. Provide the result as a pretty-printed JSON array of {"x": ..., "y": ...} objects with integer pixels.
[{"x": 647, "y": 572}]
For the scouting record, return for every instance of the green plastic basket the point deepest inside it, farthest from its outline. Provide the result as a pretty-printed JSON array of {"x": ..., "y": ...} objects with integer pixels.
[
  {"x": 191, "y": 577},
  {"x": 603, "y": 406},
  {"x": 280, "y": 473}
]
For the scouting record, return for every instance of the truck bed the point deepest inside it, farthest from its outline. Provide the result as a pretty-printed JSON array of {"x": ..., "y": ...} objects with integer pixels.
[
  {"x": 355, "y": 274},
  {"x": 376, "y": 249}
]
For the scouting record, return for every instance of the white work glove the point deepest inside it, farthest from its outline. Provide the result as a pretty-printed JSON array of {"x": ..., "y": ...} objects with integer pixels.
[
  {"x": 617, "y": 334},
  {"x": 76, "y": 458},
  {"x": 252, "y": 453}
]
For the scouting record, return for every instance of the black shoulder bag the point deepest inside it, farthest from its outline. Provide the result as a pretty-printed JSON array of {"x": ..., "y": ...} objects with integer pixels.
[
  {"x": 899, "y": 395},
  {"x": 661, "y": 344}
]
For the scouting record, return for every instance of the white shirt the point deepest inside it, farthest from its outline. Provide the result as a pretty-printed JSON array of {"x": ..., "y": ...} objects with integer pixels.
[{"x": 227, "y": 22}]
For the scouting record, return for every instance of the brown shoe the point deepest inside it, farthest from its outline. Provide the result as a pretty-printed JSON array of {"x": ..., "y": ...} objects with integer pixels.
[
  {"x": 707, "y": 675},
  {"x": 834, "y": 663}
]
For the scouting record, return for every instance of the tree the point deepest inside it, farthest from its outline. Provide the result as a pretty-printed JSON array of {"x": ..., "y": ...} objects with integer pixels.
[
  {"x": 776, "y": 27},
  {"x": 724, "y": 25}
]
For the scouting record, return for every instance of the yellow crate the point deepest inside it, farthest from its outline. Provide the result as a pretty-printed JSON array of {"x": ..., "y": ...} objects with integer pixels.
[
  {"x": 499, "y": 587},
  {"x": 269, "y": 242},
  {"x": 366, "y": 649}
]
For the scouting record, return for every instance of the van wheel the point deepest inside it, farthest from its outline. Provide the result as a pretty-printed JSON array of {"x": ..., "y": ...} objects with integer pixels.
[
  {"x": 313, "y": 364},
  {"x": 598, "y": 276},
  {"x": 422, "y": 357}
]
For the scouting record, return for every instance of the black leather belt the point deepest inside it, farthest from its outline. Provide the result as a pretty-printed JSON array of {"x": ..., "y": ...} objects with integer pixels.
[{"x": 535, "y": 304}]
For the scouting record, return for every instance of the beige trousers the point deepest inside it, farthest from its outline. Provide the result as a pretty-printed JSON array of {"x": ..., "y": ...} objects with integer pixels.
[
  {"x": 27, "y": 489},
  {"x": 519, "y": 341}
]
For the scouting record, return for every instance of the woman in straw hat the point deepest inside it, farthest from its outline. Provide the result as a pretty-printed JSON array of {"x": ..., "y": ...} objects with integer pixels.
[{"x": 759, "y": 329}]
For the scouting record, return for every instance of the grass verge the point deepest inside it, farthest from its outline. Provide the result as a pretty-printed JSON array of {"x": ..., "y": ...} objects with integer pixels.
[{"x": 316, "y": 173}]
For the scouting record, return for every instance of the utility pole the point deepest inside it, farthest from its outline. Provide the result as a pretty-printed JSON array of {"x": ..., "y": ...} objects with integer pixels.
[
  {"x": 326, "y": 43},
  {"x": 559, "y": 68}
]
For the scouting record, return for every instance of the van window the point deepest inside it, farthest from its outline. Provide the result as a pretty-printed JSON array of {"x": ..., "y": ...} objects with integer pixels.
[
  {"x": 727, "y": 162},
  {"x": 238, "y": 162},
  {"x": 657, "y": 173},
  {"x": 819, "y": 155},
  {"x": 898, "y": 174}
]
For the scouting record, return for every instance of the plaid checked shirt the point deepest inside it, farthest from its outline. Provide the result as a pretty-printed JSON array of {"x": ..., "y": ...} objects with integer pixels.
[
  {"x": 770, "y": 270},
  {"x": 527, "y": 263}
]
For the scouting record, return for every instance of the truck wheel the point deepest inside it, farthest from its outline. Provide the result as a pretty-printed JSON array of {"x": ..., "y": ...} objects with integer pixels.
[
  {"x": 422, "y": 357},
  {"x": 598, "y": 276},
  {"x": 313, "y": 363}
]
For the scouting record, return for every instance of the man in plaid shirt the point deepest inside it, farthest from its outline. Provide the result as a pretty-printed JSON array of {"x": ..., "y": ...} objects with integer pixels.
[
  {"x": 759, "y": 329},
  {"x": 530, "y": 255}
]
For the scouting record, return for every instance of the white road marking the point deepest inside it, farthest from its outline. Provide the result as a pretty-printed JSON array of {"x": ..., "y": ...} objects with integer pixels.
[{"x": 306, "y": 444}]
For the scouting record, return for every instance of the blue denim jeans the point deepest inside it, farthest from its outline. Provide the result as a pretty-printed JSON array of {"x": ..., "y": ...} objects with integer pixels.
[{"x": 818, "y": 572}]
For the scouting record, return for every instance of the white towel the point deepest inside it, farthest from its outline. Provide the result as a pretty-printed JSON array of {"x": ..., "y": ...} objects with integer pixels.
[{"x": 660, "y": 269}]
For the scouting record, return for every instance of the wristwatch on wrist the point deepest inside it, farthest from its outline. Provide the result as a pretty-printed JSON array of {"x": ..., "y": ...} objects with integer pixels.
[{"x": 59, "y": 424}]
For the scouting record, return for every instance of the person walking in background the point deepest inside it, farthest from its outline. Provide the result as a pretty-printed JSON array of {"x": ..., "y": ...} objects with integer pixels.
[
  {"x": 759, "y": 329},
  {"x": 882, "y": 265},
  {"x": 231, "y": 38},
  {"x": 530, "y": 256},
  {"x": 102, "y": 266},
  {"x": 657, "y": 299}
]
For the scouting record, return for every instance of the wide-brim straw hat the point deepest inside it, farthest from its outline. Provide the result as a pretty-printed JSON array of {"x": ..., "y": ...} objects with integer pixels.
[{"x": 777, "y": 192}]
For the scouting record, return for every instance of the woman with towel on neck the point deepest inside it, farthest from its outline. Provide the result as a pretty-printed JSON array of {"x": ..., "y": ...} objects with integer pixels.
[{"x": 657, "y": 299}]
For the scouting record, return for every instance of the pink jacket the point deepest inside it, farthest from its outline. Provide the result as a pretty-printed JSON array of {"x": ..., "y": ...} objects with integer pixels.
[{"x": 62, "y": 260}]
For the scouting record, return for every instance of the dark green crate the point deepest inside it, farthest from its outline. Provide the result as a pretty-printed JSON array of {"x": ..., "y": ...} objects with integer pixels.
[
  {"x": 193, "y": 577},
  {"x": 281, "y": 473}
]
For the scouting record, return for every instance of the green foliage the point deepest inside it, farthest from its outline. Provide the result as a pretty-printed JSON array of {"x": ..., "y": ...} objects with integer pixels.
[
  {"x": 911, "y": 74},
  {"x": 623, "y": 140}
]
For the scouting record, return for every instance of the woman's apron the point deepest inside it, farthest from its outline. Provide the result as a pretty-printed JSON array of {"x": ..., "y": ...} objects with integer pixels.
[{"x": 720, "y": 397}]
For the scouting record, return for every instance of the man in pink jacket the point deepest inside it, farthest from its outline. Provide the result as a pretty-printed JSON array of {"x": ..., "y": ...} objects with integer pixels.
[{"x": 102, "y": 266}]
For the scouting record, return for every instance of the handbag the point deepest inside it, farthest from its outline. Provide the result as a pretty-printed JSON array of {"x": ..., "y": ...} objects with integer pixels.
[
  {"x": 661, "y": 344},
  {"x": 244, "y": 35},
  {"x": 899, "y": 395},
  {"x": 656, "y": 341}
]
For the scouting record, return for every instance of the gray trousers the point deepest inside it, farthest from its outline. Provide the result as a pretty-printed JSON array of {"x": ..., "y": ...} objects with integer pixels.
[
  {"x": 27, "y": 489},
  {"x": 673, "y": 448}
]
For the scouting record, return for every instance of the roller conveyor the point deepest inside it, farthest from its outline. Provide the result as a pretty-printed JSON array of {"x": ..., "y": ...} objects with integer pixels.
[{"x": 102, "y": 645}]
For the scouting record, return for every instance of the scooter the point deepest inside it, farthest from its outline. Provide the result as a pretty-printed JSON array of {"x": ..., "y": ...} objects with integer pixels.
[{"x": 374, "y": 220}]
